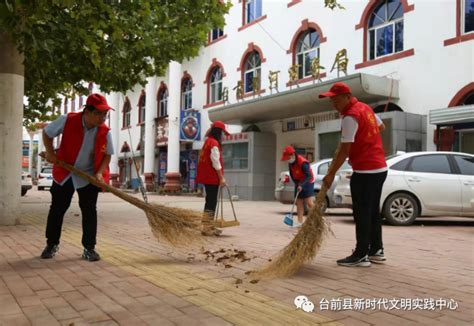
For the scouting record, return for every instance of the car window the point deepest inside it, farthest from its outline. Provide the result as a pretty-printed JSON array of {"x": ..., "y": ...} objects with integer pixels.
[
  {"x": 401, "y": 166},
  {"x": 431, "y": 164},
  {"x": 345, "y": 166},
  {"x": 466, "y": 164},
  {"x": 47, "y": 170},
  {"x": 323, "y": 168}
]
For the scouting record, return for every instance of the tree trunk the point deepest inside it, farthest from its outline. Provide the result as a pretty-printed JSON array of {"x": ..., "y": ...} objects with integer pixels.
[{"x": 11, "y": 117}]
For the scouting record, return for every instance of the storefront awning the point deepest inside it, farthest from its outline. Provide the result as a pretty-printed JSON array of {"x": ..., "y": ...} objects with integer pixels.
[
  {"x": 452, "y": 116},
  {"x": 303, "y": 100}
]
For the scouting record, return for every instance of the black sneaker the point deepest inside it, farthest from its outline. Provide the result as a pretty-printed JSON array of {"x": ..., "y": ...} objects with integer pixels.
[
  {"x": 378, "y": 257},
  {"x": 90, "y": 255},
  {"x": 354, "y": 261},
  {"x": 49, "y": 251}
]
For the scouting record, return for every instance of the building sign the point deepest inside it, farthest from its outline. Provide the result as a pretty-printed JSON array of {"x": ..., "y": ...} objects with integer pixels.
[
  {"x": 162, "y": 131},
  {"x": 236, "y": 137},
  {"x": 190, "y": 126}
]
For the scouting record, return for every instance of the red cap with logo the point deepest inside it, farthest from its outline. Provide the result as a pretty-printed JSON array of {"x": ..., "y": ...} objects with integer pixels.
[
  {"x": 99, "y": 102},
  {"x": 287, "y": 152},
  {"x": 220, "y": 125},
  {"x": 336, "y": 89}
]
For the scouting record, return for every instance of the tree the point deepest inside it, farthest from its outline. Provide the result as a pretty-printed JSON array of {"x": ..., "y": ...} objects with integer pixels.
[{"x": 115, "y": 44}]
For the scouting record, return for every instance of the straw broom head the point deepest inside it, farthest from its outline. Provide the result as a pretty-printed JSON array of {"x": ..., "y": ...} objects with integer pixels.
[
  {"x": 175, "y": 226},
  {"x": 304, "y": 246}
]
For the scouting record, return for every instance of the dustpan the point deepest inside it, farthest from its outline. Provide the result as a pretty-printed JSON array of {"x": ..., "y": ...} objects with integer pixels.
[
  {"x": 219, "y": 221},
  {"x": 288, "y": 220}
]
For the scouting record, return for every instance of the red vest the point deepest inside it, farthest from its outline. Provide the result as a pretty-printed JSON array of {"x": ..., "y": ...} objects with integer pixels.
[
  {"x": 71, "y": 143},
  {"x": 366, "y": 151},
  {"x": 206, "y": 174},
  {"x": 297, "y": 171}
]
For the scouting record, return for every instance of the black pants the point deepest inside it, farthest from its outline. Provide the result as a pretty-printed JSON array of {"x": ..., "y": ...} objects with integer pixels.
[
  {"x": 211, "y": 197},
  {"x": 366, "y": 189},
  {"x": 61, "y": 199}
]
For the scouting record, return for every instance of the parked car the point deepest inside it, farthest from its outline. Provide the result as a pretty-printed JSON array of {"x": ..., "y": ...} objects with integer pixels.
[
  {"x": 45, "y": 178},
  {"x": 26, "y": 183},
  {"x": 284, "y": 192},
  {"x": 423, "y": 184}
]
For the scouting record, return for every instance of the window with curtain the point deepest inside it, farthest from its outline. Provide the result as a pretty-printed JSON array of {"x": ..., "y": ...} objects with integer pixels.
[
  {"x": 253, "y": 10},
  {"x": 385, "y": 29},
  {"x": 468, "y": 16},
  {"x": 252, "y": 68},
  {"x": 163, "y": 103},
  {"x": 216, "y": 85},
  {"x": 187, "y": 94},
  {"x": 307, "y": 49}
]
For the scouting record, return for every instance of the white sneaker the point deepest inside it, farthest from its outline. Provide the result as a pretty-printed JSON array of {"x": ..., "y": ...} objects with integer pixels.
[{"x": 297, "y": 224}]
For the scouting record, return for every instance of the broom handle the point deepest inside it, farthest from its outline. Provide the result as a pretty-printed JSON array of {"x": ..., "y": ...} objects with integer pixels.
[
  {"x": 324, "y": 188},
  {"x": 101, "y": 184}
]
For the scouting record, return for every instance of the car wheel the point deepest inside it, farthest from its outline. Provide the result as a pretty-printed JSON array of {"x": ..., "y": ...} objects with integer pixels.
[
  {"x": 40, "y": 188},
  {"x": 400, "y": 209},
  {"x": 23, "y": 192}
]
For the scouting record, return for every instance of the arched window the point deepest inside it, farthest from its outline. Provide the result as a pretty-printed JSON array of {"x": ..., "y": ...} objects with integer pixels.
[
  {"x": 385, "y": 29},
  {"x": 252, "y": 70},
  {"x": 306, "y": 50},
  {"x": 187, "y": 94},
  {"x": 163, "y": 102},
  {"x": 469, "y": 99},
  {"x": 126, "y": 111},
  {"x": 216, "y": 85},
  {"x": 142, "y": 107}
]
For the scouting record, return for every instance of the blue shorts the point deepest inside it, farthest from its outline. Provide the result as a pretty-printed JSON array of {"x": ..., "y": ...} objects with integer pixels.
[{"x": 307, "y": 191}]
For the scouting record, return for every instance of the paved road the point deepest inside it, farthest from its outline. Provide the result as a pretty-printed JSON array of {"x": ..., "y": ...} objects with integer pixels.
[{"x": 141, "y": 282}]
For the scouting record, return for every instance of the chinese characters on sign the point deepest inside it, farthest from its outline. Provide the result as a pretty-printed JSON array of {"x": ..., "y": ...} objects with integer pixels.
[
  {"x": 316, "y": 69},
  {"x": 340, "y": 62},
  {"x": 273, "y": 80},
  {"x": 239, "y": 90}
]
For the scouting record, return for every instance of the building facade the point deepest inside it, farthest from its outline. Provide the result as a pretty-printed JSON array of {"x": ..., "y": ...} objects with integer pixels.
[{"x": 262, "y": 74}]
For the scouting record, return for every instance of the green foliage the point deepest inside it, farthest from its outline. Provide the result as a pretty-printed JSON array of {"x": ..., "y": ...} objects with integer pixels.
[{"x": 115, "y": 44}]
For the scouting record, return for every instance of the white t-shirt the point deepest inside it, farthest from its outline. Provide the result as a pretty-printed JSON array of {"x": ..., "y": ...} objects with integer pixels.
[
  {"x": 216, "y": 163},
  {"x": 349, "y": 128}
]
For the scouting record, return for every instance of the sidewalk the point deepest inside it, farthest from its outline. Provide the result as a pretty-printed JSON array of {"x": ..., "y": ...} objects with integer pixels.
[{"x": 141, "y": 282}]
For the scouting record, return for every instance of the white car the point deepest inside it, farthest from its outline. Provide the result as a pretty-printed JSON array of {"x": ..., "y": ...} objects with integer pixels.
[
  {"x": 26, "y": 183},
  {"x": 45, "y": 178},
  {"x": 423, "y": 184},
  {"x": 285, "y": 190}
]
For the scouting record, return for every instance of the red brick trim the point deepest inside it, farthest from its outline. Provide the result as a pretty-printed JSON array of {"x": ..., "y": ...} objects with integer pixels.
[
  {"x": 251, "y": 47},
  {"x": 210, "y": 105},
  {"x": 139, "y": 109},
  {"x": 396, "y": 56},
  {"x": 250, "y": 94},
  {"x": 305, "y": 25},
  {"x": 256, "y": 21},
  {"x": 216, "y": 40},
  {"x": 214, "y": 64},
  {"x": 140, "y": 124},
  {"x": 161, "y": 89},
  {"x": 365, "y": 19},
  {"x": 186, "y": 76},
  {"x": 459, "y": 36},
  {"x": 461, "y": 95},
  {"x": 304, "y": 80},
  {"x": 292, "y": 3},
  {"x": 125, "y": 128}
]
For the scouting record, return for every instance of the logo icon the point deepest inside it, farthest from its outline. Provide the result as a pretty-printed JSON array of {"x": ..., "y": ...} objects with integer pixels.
[{"x": 302, "y": 302}]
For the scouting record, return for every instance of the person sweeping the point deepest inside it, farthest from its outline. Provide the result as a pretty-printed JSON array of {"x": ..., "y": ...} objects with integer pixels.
[
  {"x": 210, "y": 173},
  {"x": 303, "y": 178},
  {"x": 87, "y": 145},
  {"x": 362, "y": 143}
]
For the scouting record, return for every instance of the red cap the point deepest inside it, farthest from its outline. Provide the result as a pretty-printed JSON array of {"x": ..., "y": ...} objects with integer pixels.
[
  {"x": 99, "y": 102},
  {"x": 220, "y": 125},
  {"x": 287, "y": 152},
  {"x": 336, "y": 89}
]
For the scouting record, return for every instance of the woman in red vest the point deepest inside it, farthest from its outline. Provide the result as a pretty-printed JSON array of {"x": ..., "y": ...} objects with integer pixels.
[
  {"x": 302, "y": 175},
  {"x": 362, "y": 143},
  {"x": 86, "y": 143},
  {"x": 210, "y": 173}
]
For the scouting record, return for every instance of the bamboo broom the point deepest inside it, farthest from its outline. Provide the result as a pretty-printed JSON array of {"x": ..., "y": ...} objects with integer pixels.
[
  {"x": 305, "y": 245},
  {"x": 175, "y": 226}
]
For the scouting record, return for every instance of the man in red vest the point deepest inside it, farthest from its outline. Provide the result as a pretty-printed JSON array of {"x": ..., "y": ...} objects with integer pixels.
[
  {"x": 87, "y": 145},
  {"x": 361, "y": 142}
]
